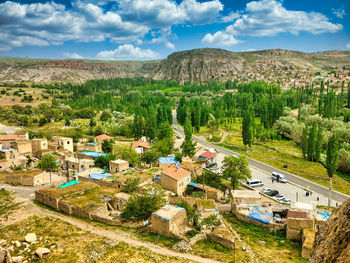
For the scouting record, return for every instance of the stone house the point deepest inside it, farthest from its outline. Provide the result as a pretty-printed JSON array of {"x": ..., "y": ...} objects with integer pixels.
[
  {"x": 23, "y": 147},
  {"x": 7, "y": 139},
  {"x": 39, "y": 144},
  {"x": 250, "y": 197},
  {"x": 22, "y": 136},
  {"x": 93, "y": 147},
  {"x": 79, "y": 164},
  {"x": 118, "y": 165},
  {"x": 175, "y": 179},
  {"x": 169, "y": 220},
  {"x": 62, "y": 143},
  {"x": 28, "y": 178}
]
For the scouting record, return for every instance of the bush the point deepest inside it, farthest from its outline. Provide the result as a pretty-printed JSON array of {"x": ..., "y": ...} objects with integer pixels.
[{"x": 131, "y": 185}]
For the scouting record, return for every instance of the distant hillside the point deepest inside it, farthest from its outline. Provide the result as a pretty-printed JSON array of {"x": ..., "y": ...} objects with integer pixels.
[{"x": 198, "y": 65}]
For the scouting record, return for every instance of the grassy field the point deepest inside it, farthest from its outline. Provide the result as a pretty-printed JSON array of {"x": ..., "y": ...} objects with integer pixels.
[
  {"x": 270, "y": 247},
  {"x": 7, "y": 203},
  {"x": 72, "y": 244},
  {"x": 283, "y": 154}
]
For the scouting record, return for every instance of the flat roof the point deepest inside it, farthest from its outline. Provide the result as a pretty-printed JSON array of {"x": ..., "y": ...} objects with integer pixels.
[
  {"x": 93, "y": 154},
  {"x": 168, "y": 211},
  {"x": 118, "y": 161},
  {"x": 167, "y": 160}
]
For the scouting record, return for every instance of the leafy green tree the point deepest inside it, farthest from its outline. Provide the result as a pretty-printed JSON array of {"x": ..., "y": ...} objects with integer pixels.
[
  {"x": 304, "y": 141},
  {"x": 92, "y": 122},
  {"x": 149, "y": 157},
  {"x": 319, "y": 140},
  {"x": 105, "y": 116},
  {"x": 188, "y": 147},
  {"x": 127, "y": 153},
  {"x": 131, "y": 185},
  {"x": 141, "y": 206},
  {"x": 107, "y": 146},
  {"x": 248, "y": 128},
  {"x": 348, "y": 95},
  {"x": 98, "y": 130},
  {"x": 236, "y": 169},
  {"x": 103, "y": 161},
  {"x": 178, "y": 157},
  {"x": 165, "y": 146},
  {"x": 311, "y": 149},
  {"x": 67, "y": 121},
  {"x": 165, "y": 131},
  {"x": 48, "y": 164},
  {"x": 332, "y": 162}
]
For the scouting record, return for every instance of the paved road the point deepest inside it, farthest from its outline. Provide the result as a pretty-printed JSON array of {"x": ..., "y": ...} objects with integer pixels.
[{"x": 303, "y": 183}]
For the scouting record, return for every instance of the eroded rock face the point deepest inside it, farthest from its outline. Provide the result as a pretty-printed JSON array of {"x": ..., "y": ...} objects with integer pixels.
[{"x": 332, "y": 241}]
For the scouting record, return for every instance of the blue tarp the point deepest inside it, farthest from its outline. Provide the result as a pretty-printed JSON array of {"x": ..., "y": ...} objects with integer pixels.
[
  {"x": 325, "y": 215},
  {"x": 167, "y": 160},
  {"x": 92, "y": 143},
  {"x": 193, "y": 184},
  {"x": 68, "y": 184},
  {"x": 94, "y": 154},
  {"x": 261, "y": 217},
  {"x": 98, "y": 176}
]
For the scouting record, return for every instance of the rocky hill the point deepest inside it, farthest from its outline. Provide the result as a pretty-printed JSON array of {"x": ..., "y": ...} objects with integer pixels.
[
  {"x": 198, "y": 65},
  {"x": 332, "y": 241}
]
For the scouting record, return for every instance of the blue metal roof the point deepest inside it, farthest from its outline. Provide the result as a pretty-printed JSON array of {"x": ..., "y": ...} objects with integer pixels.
[
  {"x": 98, "y": 176},
  {"x": 93, "y": 154},
  {"x": 167, "y": 160},
  {"x": 92, "y": 143},
  {"x": 68, "y": 184}
]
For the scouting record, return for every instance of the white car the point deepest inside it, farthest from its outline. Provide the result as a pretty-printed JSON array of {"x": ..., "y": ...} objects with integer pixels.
[
  {"x": 278, "y": 177},
  {"x": 286, "y": 201},
  {"x": 278, "y": 197},
  {"x": 265, "y": 190},
  {"x": 255, "y": 183}
]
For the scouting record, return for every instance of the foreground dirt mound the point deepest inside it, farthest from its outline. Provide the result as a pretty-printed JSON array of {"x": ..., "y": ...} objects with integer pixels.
[{"x": 332, "y": 241}]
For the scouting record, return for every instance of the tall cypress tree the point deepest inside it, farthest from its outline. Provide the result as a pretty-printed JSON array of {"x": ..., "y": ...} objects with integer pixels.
[
  {"x": 304, "y": 141},
  {"x": 332, "y": 162},
  {"x": 248, "y": 127},
  {"x": 311, "y": 149},
  {"x": 318, "y": 143},
  {"x": 349, "y": 95}
]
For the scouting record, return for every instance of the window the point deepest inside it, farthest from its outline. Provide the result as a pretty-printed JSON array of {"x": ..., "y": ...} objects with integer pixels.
[{"x": 68, "y": 142}]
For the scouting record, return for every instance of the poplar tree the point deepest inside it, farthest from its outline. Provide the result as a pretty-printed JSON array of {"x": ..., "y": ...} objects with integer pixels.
[
  {"x": 349, "y": 95},
  {"x": 332, "y": 162},
  {"x": 304, "y": 141},
  {"x": 318, "y": 142},
  {"x": 248, "y": 127},
  {"x": 311, "y": 149}
]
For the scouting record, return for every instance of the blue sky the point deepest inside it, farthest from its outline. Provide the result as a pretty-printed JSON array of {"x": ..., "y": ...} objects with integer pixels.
[{"x": 153, "y": 29}]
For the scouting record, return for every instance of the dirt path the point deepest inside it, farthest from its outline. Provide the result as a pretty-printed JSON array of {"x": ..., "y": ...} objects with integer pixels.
[
  {"x": 223, "y": 138},
  {"x": 29, "y": 209},
  {"x": 9, "y": 129}
]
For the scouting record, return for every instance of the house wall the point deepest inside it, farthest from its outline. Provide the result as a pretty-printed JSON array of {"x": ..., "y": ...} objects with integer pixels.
[
  {"x": 23, "y": 147},
  {"x": 168, "y": 183},
  {"x": 295, "y": 227},
  {"x": 118, "y": 167},
  {"x": 93, "y": 148},
  {"x": 39, "y": 144},
  {"x": 66, "y": 143},
  {"x": 37, "y": 180},
  {"x": 47, "y": 200},
  {"x": 77, "y": 211},
  {"x": 174, "y": 226},
  {"x": 5, "y": 165}
]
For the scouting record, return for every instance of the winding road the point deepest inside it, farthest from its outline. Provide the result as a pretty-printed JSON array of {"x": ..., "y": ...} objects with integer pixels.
[{"x": 337, "y": 197}]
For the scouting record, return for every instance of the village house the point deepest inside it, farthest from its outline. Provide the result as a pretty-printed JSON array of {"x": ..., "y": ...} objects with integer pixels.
[
  {"x": 165, "y": 162},
  {"x": 79, "y": 164},
  {"x": 62, "y": 143},
  {"x": 118, "y": 165},
  {"x": 39, "y": 144},
  {"x": 169, "y": 220},
  {"x": 93, "y": 147},
  {"x": 102, "y": 137},
  {"x": 7, "y": 139},
  {"x": 175, "y": 179},
  {"x": 140, "y": 146},
  {"x": 28, "y": 178},
  {"x": 22, "y": 136},
  {"x": 23, "y": 147}
]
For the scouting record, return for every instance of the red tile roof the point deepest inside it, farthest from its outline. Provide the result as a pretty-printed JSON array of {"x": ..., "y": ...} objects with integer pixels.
[
  {"x": 142, "y": 144},
  {"x": 21, "y": 133},
  {"x": 8, "y": 137},
  {"x": 103, "y": 137},
  {"x": 298, "y": 214},
  {"x": 175, "y": 172},
  {"x": 206, "y": 156}
]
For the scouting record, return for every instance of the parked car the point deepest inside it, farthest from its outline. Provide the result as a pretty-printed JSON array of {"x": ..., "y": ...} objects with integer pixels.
[
  {"x": 211, "y": 165},
  {"x": 272, "y": 193},
  {"x": 286, "y": 201},
  {"x": 265, "y": 190},
  {"x": 278, "y": 177},
  {"x": 278, "y": 197},
  {"x": 255, "y": 183},
  {"x": 234, "y": 155}
]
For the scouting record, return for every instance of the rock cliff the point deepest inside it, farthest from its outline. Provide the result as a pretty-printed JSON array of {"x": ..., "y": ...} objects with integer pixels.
[{"x": 332, "y": 240}]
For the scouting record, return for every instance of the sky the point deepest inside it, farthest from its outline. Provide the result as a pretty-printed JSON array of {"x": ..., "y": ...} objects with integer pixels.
[{"x": 153, "y": 29}]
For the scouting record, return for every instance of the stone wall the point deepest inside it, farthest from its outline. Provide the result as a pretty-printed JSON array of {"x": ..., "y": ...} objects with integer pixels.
[
  {"x": 77, "y": 211},
  {"x": 46, "y": 199},
  {"x": 65, "y": 207},
  {"x": 308, "y": 238},
  {"x": 222, "y": 236},
  {"x": 295, "y": 227}
]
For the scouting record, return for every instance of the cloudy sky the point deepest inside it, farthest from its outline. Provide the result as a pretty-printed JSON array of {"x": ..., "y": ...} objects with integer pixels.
[{"x": 153, "y": 29}]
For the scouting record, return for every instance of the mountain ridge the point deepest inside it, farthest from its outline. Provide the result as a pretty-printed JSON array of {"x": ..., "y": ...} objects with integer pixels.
[{"x": 196, "y": 65}]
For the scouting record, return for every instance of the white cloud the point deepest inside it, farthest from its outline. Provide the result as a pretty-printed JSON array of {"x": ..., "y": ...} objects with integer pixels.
[
  {"x": 72, "y": 55},
  {"x": 268, "y": 18},
  {"x": 340, "y": 12},
  {"x": 230, "y": 17},
  {"x": 348, "y": 45},
  {"x": 170, "y": 45},
  {"x": 220, "y": 39},
  {"x": 127, "y": 52}
]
